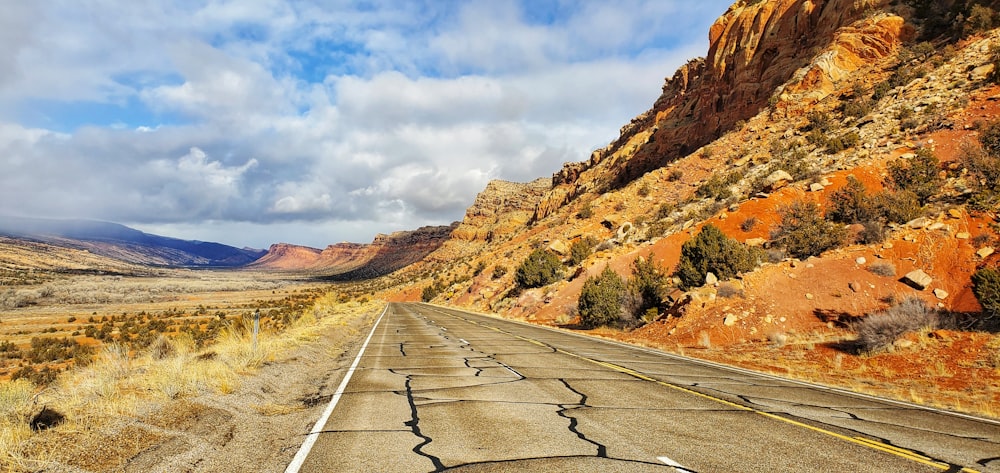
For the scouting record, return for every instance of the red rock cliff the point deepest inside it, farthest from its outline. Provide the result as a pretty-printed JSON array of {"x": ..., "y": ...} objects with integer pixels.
[
  {"x": 755, "y": 50},
  {"x": 385, "y": 254}
]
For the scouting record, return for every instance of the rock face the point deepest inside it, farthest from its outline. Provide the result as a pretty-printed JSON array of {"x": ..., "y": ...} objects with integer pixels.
[
  {"x": 500, "y": 209},
  {"x": 285, "y": 256},
  {"x": 385, "y": 254},
  {"x": 754, "y": 51}
]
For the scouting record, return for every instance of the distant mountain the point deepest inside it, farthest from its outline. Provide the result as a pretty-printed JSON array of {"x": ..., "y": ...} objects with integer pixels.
[
  {"x": 127, "y": 244},
  {"x": 352, "y": 261}
]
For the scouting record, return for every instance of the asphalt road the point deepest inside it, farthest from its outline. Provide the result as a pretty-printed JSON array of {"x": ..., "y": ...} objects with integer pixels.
[{"x": 439, "y": 389}]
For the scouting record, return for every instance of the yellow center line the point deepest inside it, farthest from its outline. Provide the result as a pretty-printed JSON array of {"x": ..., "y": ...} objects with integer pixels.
[{"x": 873, "y": 444}]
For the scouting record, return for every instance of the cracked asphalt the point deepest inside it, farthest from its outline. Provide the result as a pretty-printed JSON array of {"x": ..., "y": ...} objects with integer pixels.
[{"x": 445, "y": 390}]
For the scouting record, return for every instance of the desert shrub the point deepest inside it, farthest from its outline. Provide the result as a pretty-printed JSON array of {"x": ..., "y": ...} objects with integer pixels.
[
  {"x": 794, "y": 162},
  {"x": 748, "y": 223},
  {"x": 601, "y": 299},
  {"x": 986, "y": 287},
  {"x": 540, "y": 268},
  {"x": 430, "y": 292},
  {"x": 820, "y": 121},
  {"x": 480, "y": 266},
  {"x": 881, "y": 90},
  {"x": 994, "y": 77},
  {"x": 852, "y": 204},
  {"x": 989, "y": 137},
  {"x": 44, "y": 350},
  {"x": 643, "y": 190},
  {"x": 919, "y": 175},
  {"x": 675, "y": 175},
  {"x": 872, "y": 232},
  {"x": 983, "y": 165},
  {"x": 586, "y": 212},
  {"x": 9, "y": 350},
  {"x": 883, "y": 268},
  {"x": 499, "y": 271},
  {"x": 842, "y": 142},
  {"x": 40, "y": 377},
  {"x": 981, "y": 240},
  {"x": 981, "y": 18},
  {"x": 605, "y": 245},
  {"x": 909, "y": 123},
  {"x": 896, "y": 207},
  {"x": 803, "y": 232},
  {"x": 712, "y": 251},
  {"x": 905, "y": 74},
  {"x": 665, "y": 210},
  {"x": 858, "y": 107},
  {"x": 581, "y": 249},
  {"x": 658, "y": 228},
  {"x": 717, "y": 186},
  {"x": 648, "y": 283},
  {"x": 879, "y": 330}
]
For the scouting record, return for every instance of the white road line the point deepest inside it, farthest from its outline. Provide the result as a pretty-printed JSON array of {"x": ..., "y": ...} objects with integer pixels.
[
  {"x": 463, "y": 341},
  {"x": 677, "y": 466},
  {"x": 307, "y": 445},
  {"x": 512, "y": 370}
]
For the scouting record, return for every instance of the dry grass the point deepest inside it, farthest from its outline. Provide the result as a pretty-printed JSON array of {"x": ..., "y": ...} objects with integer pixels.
[
  {"x": 119, "y": 384},
  {"x": 15, "y": 410}
]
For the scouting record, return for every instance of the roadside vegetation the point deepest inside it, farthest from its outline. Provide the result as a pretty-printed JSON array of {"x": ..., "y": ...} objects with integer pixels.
[
  {"x": 611, "y": 300},
  {"x": 540, "y": 268},
  {"x": 40, "y": 342},
  {"x": 123, "y": 379},
  {"x": 711, "y": 251}
]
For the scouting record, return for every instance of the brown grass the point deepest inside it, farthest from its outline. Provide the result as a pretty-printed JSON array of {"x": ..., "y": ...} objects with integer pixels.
[{"x": 121, "y": 384}]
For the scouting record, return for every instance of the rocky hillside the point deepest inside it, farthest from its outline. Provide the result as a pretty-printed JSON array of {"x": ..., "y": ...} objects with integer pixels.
[
  {"x": 352, "y": 261},
  {"x": 796, "y": 104},
  {"x": 757, "y": 53}
]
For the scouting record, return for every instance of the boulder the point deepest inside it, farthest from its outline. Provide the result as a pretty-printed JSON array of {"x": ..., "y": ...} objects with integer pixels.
[
  {"x": 941, "y": 293},
  {"x": 981, "y": 72},
  {"x": 918, "y": 223},
  {"x": 711, "y": 279},
  {"x": 612, "y": 221},
  {"x": 776, "y": 180},
  {"x": 624, "y": 231},
  {"x": 985, "y": 252},
  {"x": 816, "y": 187},
  {"x": 918, "y": 279},
  {"x": 559, "y": 247}
]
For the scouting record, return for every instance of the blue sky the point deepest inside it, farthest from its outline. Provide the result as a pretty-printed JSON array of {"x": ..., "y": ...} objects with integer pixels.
[{"x": 314, "y": 122}]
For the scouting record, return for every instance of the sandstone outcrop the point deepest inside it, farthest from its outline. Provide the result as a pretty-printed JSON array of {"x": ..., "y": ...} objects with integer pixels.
[
  {"x": 500, "y": 209},
  {"x": 755, "y": 50},
  {"x": 285, "y": 256}
]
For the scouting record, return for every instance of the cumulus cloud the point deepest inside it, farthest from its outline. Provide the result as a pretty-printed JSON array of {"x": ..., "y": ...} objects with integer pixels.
[{"x": 315, "y": 122}]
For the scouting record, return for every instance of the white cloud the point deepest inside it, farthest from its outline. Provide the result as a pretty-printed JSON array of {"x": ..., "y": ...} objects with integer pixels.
[{"x": 264, "y": 117}]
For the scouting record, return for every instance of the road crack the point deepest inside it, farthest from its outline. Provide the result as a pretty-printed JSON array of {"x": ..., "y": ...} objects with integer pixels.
[
  {"x": 414, "y": 425},
  {"x": 602, "y": 450}
]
